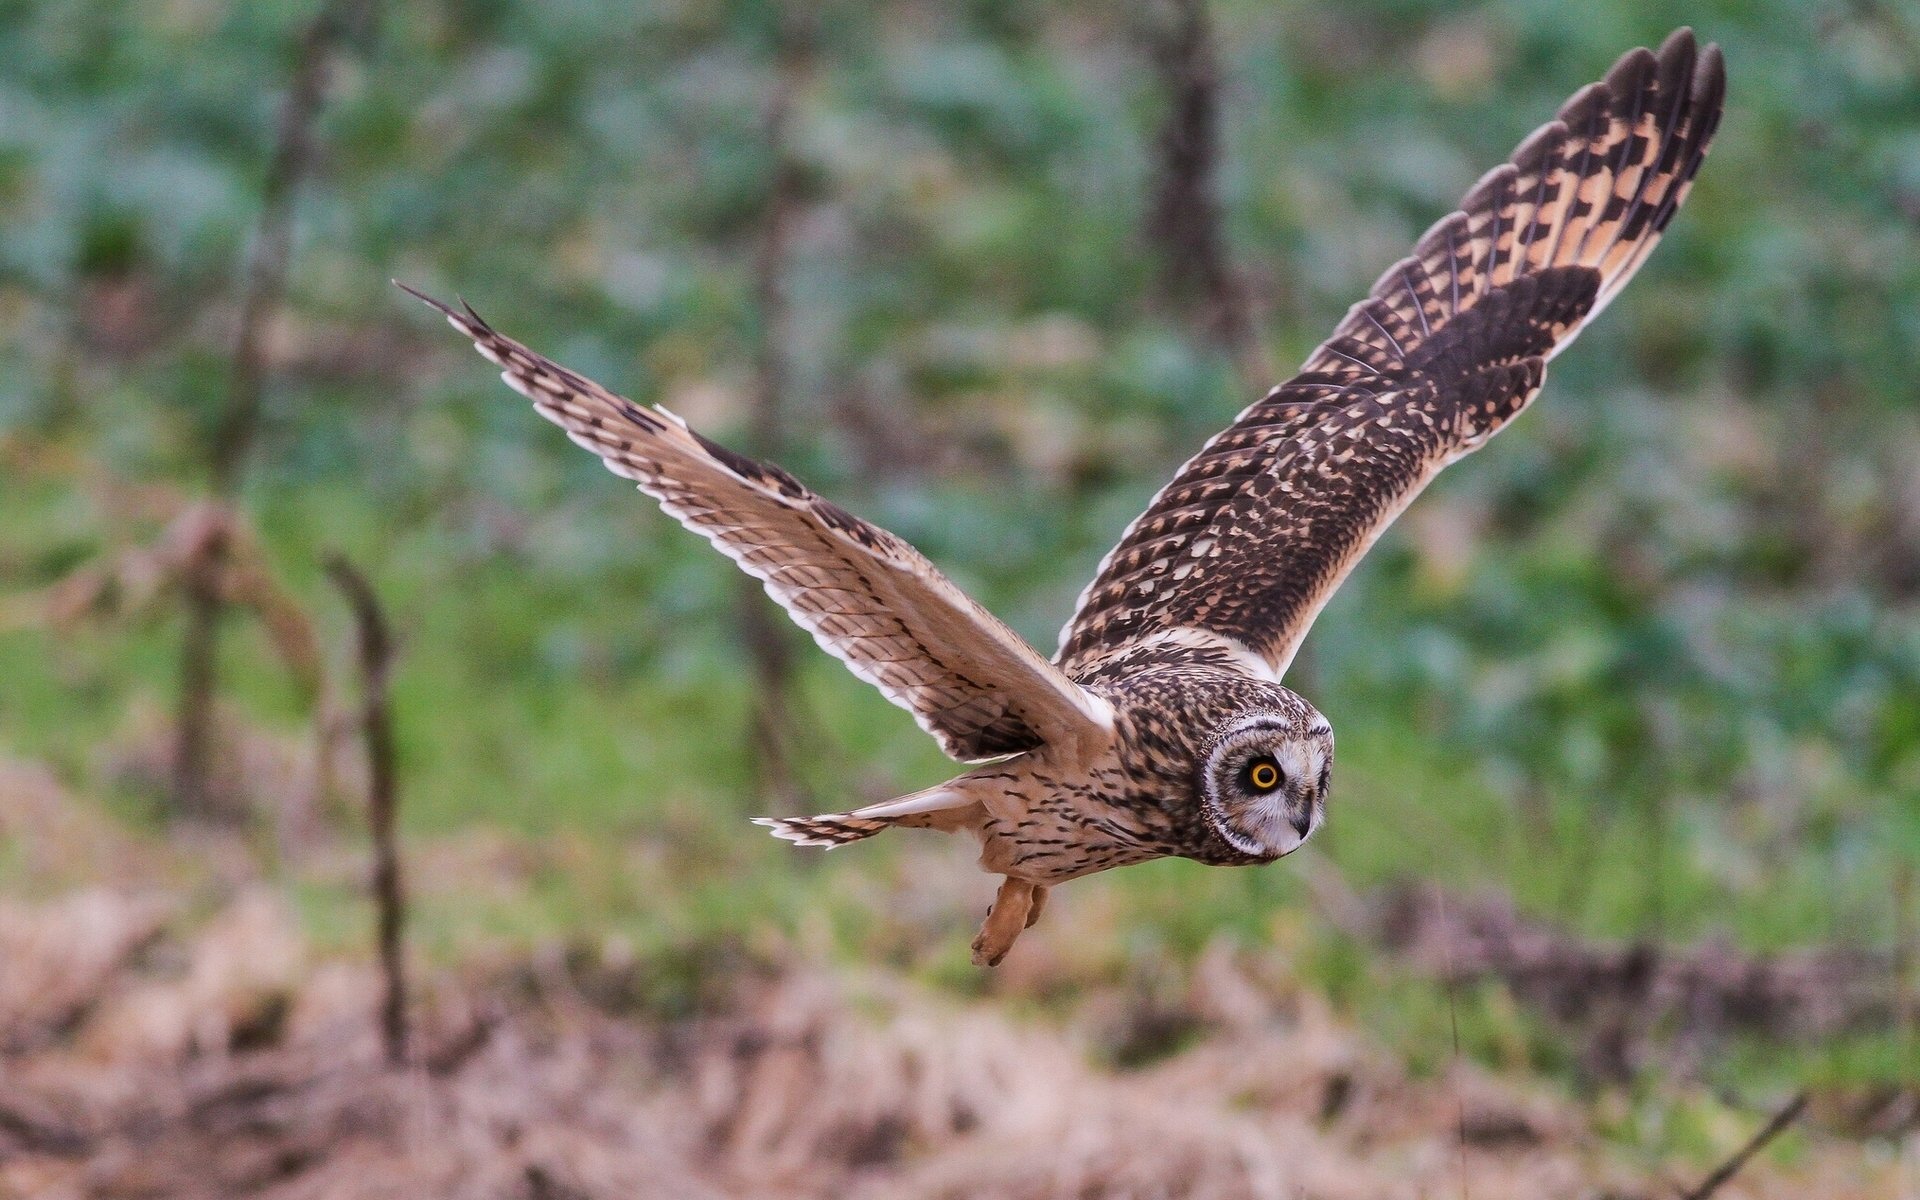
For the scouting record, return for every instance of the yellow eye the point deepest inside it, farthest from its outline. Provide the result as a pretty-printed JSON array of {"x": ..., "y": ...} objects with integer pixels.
[{"x": 1263, "y": 775}]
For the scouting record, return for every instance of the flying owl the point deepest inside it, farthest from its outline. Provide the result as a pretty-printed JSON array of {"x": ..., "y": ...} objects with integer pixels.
[{"x": 1161, "y": 726}]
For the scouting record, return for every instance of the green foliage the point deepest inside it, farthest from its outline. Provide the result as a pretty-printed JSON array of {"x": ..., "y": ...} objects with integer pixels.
[{"x": 1651, "y": 663}]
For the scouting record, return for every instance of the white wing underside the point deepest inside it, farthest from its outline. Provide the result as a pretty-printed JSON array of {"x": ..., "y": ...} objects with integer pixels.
[{"x": 866, "y": 596}]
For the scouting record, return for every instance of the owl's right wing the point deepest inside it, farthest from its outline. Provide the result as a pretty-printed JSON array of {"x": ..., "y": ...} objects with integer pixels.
[
  {"x": 1238, "y": 554},
  {"x": 865, "y": 595}
]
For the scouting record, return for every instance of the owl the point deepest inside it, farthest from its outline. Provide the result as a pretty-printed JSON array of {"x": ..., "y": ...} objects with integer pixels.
[{"x": 1162, "y": 726}]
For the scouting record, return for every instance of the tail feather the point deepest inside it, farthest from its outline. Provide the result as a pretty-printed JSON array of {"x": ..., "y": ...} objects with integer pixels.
[
  {"x": 837, "y": 829},
  {"x": 828, "y": 830}
]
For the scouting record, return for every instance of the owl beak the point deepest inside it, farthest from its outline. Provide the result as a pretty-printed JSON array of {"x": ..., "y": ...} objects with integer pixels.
[{"x": 1304, "y": 812}]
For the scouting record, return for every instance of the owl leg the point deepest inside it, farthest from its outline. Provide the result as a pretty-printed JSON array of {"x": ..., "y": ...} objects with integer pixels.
[
  {"x": 1005, "y": 920},
  {"x": 1039, "y": 905}
]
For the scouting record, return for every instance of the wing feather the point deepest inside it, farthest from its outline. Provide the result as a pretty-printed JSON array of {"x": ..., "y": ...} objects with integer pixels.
[
  {"x": 866, "y": 596},
  {"x": 1256, "y": 531}
]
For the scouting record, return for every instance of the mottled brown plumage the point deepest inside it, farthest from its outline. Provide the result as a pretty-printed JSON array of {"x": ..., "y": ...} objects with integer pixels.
[
  {"x": 1258, "y": 529},
  {"x": 1162, "y": 728}
]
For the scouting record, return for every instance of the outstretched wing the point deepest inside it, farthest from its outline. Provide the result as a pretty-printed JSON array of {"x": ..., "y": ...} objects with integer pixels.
[
  {"x": 865, "y": 595},
  {"x": 1240, "y": 552}
]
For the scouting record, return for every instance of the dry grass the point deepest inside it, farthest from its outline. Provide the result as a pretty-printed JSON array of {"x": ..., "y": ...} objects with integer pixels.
[
  {"x": 150, "y": 1051},
  {"x": 1630, "y": 1003}
]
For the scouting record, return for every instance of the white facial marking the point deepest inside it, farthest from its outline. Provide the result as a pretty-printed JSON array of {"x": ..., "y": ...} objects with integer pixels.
[{"x": 1274, "y": 823}]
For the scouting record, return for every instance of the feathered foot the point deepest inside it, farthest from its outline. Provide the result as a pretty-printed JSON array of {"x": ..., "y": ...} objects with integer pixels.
[
  {"x": 1015, "y": 908},
  {"x": 1038, "y": 906}
]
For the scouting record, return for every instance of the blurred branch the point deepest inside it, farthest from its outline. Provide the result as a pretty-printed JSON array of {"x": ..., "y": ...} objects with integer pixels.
[
  {"x": 768, "y": 641},
  {"x": 27, "y": 457},
  {"x": 126, "y": 582},
  {"x": 266, "y": 273},
  {"x": 376, "y": 654},
  {"x": 233, "y": 438},
  {"x": 34, "y": 1135},
  {"x": 1773, "y": 1129},
  {"x": 1184, "y": 222}
]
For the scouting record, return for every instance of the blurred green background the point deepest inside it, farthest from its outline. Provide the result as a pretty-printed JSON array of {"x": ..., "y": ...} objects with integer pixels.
[{"x": 1650, "y": 665}]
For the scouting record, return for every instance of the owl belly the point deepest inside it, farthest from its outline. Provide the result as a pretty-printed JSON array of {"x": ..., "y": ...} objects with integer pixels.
[{"x": 1062, "y": 838}]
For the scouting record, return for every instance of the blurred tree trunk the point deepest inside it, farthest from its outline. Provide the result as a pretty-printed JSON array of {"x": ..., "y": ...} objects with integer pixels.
[
  {"x": 1183, "y": 220},
  {"x": 768, "y": 639},
  {"x": 233, "y": 438}
]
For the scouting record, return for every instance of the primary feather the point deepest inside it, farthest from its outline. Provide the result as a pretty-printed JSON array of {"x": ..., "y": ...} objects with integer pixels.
[
  {"x": 1256, "y": 531},
  {"x": 868, "y": 598}
]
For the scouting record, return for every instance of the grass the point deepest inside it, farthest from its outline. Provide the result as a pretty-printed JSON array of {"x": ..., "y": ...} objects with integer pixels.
[
  {"x": 557, "y": 722},
  {"x": 1651, "y": 673}
]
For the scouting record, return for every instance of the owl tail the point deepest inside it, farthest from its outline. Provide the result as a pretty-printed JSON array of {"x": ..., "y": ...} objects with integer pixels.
[{"x": 941, "y": 807}]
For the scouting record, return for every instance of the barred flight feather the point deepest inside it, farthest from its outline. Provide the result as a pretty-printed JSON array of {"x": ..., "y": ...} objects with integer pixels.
[
  {"x": 866, "y": 596},
  {"x": 1257, "y": 530}
]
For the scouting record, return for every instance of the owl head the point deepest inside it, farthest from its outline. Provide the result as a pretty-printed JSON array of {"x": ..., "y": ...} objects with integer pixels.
[{"x": 1265, "y": 774}]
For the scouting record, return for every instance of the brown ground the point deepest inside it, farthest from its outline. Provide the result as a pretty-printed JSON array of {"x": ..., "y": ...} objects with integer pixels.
[{"x": 149, "y": 1051}]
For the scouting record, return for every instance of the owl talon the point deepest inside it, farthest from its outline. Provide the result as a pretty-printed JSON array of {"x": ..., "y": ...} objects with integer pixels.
[{"x": 1010, "y": 914}]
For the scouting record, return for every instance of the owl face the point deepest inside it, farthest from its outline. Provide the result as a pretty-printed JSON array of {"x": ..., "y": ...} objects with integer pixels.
[{"x": 1265, "y": 777}]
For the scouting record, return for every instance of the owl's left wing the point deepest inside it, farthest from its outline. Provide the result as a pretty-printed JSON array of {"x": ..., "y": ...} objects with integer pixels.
[
  {"x": 1239, "y": 553},
  {"x": 866, "y": 596}
]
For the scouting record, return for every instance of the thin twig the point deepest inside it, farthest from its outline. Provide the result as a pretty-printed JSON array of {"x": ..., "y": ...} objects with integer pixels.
[
  {"x": 1906, "y": 1012},
  {"x": 232, "y": 440},
  {"x": 199, "y": 680},
  {"x": 376, "y": 654},
  {"x": 1773, "y": 1129},
  {"x": 1453, "y": 1074}
]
